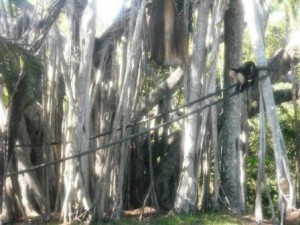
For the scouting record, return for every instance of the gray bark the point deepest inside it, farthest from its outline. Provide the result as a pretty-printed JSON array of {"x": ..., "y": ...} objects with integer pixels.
[
  {"x": 207, "y": 147},
  {"x": 261, "y": 164},
  {"x": 30, "y": 188},
  {"x": 2, "y": 155},
  {"x": 41, "y": 29},
  {"x": 255, "y": 22},
  {"x": 30, "y": 185},
  {"x": 79, "y": 52},
  {"x": 186, "y": 197},
  {"x": 230, "y": 168},
  {"x": 123, "y": 113}
]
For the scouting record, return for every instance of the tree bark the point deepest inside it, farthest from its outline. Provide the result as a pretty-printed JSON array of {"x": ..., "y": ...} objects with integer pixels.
[
  {"x": 255, "y": 22},
  {"x": 186, "y": 196},
  {"x": 124, "y": 110},
  {"x": 261, "y": 165},
  {"x": 42, "y": 28},
  {"x": 30, "y": 187},
  {"x": 209, "y": 116},
  {"x": 230, "y": 167},
  {"x": 79, "y": 52},
  {"x": 2, "y": 151},
  {"x": 30, "y": 191}
]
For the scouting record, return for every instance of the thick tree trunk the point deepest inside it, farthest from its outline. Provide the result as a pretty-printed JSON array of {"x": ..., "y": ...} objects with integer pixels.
[
  {"x": 80, "y": 45},
  {"x": 15, "y": 115},
  {"x": 230, "y": 170},
  {"x": 30, "y": 188},
  {"x": 186, "y": 197},
  {"x": 124, "y": 110},
  {"x": 30, "y": 185},
  {"x": 209, "y": 87}
]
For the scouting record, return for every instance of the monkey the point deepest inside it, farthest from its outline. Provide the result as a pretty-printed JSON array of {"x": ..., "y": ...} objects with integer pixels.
[{"x": 246, "y": 73}]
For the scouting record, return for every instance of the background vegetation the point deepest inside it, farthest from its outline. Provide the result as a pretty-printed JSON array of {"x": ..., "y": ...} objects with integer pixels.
[{"x": 96, "y": 122}]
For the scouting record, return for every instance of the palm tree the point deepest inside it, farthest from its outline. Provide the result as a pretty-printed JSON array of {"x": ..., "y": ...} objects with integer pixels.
[{"x": 21, "y": 76}]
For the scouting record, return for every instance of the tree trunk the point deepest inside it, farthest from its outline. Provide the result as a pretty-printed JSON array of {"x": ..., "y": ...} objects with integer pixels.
[
  {"x": 186, "y": 197},
  {"x": 30, "y": 185},
  {"x": 2, "y": 151},
  {"x": 78, "y": 80},
  {"x": 124, "y": 110},
  {"x": 296, "y": 105},
  {"x": 261, "y": 165},
  {"x": 255, "y": 20},
  {"x": 209, "y": 116},
  {"x": 230, "y": 168}
]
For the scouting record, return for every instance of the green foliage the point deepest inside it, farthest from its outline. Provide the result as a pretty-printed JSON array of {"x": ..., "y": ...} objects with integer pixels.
[
  {"x": 154, "y": 75},
  {"x": 287, "y": 124},
  {"x": 294, "y": 4},
  {"x": 253, "y": 165},
  {"x": 14, "y": 59},
  {"x": 247, "y": 48},
  {"x": 275, "y": 38},
  {"x": 286, "y": 120}
]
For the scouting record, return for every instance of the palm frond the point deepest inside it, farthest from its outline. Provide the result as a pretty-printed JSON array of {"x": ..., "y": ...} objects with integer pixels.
[{"x": 14, "y": 58}]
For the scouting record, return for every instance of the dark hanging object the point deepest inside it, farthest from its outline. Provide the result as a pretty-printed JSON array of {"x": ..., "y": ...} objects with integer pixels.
[{"x": 166, "y": 28}]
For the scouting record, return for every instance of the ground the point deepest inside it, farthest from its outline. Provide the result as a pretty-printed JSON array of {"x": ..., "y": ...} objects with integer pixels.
[{"x": 150, "y": 217}]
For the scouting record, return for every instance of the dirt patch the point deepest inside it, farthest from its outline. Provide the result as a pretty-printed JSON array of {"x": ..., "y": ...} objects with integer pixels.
[{"x": 250, "y": 220}]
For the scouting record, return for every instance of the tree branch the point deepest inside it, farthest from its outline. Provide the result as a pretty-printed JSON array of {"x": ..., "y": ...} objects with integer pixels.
[
  {"x": 42, "y": 28},
  {"x": 280, "y": 96},
  {"x": 172, "y": 83}
]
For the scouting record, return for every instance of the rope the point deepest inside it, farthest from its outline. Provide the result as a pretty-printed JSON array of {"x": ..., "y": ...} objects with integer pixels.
[{"x": 43, "y": 165}]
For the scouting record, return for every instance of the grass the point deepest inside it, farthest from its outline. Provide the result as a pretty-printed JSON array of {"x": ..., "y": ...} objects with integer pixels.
[{"x": 198, "y": 219}]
